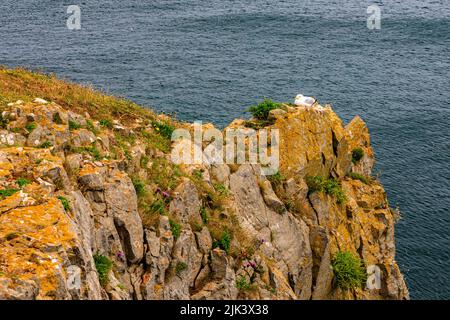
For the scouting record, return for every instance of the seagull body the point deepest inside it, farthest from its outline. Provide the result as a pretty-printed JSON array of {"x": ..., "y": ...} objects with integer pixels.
[{"x": 302, "y": 101}]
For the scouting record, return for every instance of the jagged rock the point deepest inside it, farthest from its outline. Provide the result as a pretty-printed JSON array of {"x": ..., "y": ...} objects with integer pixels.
[{"x": 186, "y": 204}]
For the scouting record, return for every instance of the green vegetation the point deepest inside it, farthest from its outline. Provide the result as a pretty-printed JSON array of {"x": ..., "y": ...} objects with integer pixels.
[
  {"x": 360, "y": 177},
  {"x": 261, "y": 111},
  {"x": 73, "y": 125},
  {"x": 204, "y": 215},
  {"x": 65, "y": 203},
  {"x": 7, "y": 193},
  {"x": 328, "y": 186},
  {"x": 22, "y": 182},
  {"x": 45, "y": 145},
  {"x": 349, "y": 271},
  {"x": 163, "y": 128},
  {"x": 180, "y": 267},
  {"x": 276, "y": 179},
  {"x": 3, "y": 122},
  {"x": 103, "y": 265},
  {"x": 139, "y": 186},
  {"x": 30, "y": 126},
  {"x": 224, "y": 242},
  {"x": 90, "y": 126},
  {"x": 221, "y": 189},
  {"x": 57, "y": 118},
  {"x": 105, "y": 123},
  {"x": 357, "y": 155},
  {"x": 175, "y": 228},
  {"x": 242, "y": 284}
]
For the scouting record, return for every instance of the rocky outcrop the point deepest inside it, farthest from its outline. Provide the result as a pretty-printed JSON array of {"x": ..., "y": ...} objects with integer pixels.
[{"x": 93, "y": 209}]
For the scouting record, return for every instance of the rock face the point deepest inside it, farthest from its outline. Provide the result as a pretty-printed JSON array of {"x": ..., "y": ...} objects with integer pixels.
[{"x": 95, "y": 211}]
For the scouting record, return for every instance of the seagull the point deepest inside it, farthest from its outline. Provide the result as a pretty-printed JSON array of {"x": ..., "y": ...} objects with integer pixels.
[{"x": 302, "y": 101}]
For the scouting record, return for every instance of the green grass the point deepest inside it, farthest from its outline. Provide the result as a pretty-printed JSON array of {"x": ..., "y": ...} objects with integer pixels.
[
  {"x": 349, "y": 271},
  {"x": 242, "y": 284},
  {"x": 328, "y": 186},
  {"x": 180, "y": 267},
  {"x": 360, "y": 177},
  {"x": 139, "y": 186},
  {"x": 276, "y": 179},
  {"x": 73, "y": 125},
  {"x": 7, "y": 193},
  {"x": 204, "y": 215},
  {"x": 224, "y": 242},
  {"x": 103, "y": 265},
  {"x": 3, "y": 122},
  {"x": 65, "y": 203},
  {"x": 261, "y": 110},
  {"x": 357, "y": 155},
  {"x": 105, "y": 123},
  {"x": 221, "y": 189},
  {"x": 175, "y": 228},
  {"x": 22, "y": 182},
  {"x": 45, "y": 145},
  {"x": 159, "y": 207},
  {"x": 164, "y": 129},
  {"x": 30, "y": 126}
]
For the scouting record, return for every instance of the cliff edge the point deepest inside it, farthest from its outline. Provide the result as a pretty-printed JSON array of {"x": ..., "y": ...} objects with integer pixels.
[{"x": 92, "y": 207}]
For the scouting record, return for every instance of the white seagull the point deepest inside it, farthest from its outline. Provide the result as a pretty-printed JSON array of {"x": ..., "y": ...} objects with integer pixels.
[{"x": 302, "y": 101}]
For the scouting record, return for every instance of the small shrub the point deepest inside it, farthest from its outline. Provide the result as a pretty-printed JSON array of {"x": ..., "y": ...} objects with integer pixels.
[
  {"x": 94, "y": 152},
  {"x": 45, "y": 145},
  {"x": 261, "y": 111},
  {"x": 105, "y": 123},
  {"x": 139, "y": 186},
  {"x": 276, "y": 179},
  {"x": 158, "y": 207},
  {"x": 57, "y": 118},
  {"x": 180, "y": 267},
  {"x": 224, "y": 242},
  {"x": 163, "y": 128},
  {"x": 221, "y": 189},
  {"x": 3, "y": 122},
  {"x": 65, "y": 203},
  {"x": 175, "y": 228},
  {"x": 7, "y": 192},
  {"x": 204, "y": 215},
  {"x": 73, "y": 125},
  {"x": 30, "y": 126},
  {"x": 242, "y": 284},
  {"x": 349, "y": 271},
  {"x": 357, "y": 155},
  {"x": 197, "y": 174},
  {"x": 360, "y": 177},
  {"x": 22, "y": 182},
  {"x": 103, "y": 265},
  {"x": 328, "y": 186}
]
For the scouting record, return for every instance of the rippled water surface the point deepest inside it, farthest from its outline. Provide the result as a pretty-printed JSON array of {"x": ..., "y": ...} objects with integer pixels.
[{"x": 210, "y": 60}]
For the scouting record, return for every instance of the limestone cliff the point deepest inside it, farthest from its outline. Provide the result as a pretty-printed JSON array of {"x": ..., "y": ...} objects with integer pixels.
[{"x": 93, "y": 208}]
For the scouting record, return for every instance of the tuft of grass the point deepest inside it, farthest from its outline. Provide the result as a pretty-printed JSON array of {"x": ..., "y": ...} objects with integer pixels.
[
  {"x": 30, "y": 126},
  {"x": 328, "y": 186},
  {"x": 276, "y": 179},
  {"x": 357, "y": 155},
  {"x": 22, "y": 182},
  {"x": 3, "y": 122},
  {"x": 57, "y": 118},
  {"x": 221, "y": 189},
  {"x": 45, "y": 145},
  {"x": 175, "y": 228},
  {"x": 242, "y": 284},
  {"x": 349, "y": 271},
  {"x": 139, "y": 186},
  {"x": 180, "y": 267},
  {"x": 105, "y": 123},
  {"x": 224, "y": 242},
  {"x": 90, "y": 126},
  {"x": 360, "y": 177},
  {"x": 163, "y": 128},
  {"x": 65, "y": 203},
  {"x": 73, "y": 125},
  {"x": 204, "y": 215},
  {"x": 261, "y": 110},
  {"x": 7, "y": 193},
  {"x": 159, "y": 207},
  {"x": 103, "y": 265}
]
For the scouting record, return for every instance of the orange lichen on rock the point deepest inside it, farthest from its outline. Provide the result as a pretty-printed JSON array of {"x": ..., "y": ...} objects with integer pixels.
[{"x": 31, "y": 240}]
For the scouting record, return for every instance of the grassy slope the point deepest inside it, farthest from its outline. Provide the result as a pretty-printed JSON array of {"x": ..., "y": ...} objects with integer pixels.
[{"x": 21, "y": 84}]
